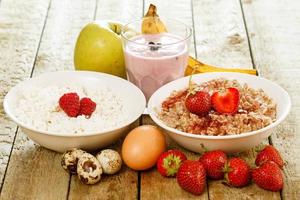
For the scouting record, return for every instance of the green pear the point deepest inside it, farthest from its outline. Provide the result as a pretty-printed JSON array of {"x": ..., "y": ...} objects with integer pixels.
[{"x": 99, "y": 48}]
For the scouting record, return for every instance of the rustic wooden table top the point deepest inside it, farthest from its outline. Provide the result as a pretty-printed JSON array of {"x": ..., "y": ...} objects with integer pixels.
[{"x": 38, "y": 36}]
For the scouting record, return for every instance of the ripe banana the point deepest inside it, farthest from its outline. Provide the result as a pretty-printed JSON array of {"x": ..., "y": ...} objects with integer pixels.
[
  {"x": 151, "y": 22},
  {"x": 195, "y": 66},
  {"x": 152, "y": 25}
]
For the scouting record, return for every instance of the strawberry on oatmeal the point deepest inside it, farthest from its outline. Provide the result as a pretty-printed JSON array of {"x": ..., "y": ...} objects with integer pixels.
[{"x": 234, "y": 108}]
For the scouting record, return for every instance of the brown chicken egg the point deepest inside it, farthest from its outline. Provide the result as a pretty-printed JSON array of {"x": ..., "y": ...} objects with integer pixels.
[{"x": 142, "y": 147}]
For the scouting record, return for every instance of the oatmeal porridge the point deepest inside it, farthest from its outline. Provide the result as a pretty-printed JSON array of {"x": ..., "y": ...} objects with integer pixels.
[{"x": 255, "y": 111}]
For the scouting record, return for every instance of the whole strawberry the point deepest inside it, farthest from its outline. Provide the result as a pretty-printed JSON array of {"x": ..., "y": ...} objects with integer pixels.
[
  {"x": 213, "y": 162},
  {"x": 268, "y": 176},
  {"x": 269, "y": 153},
  {"x": 191, "y": 176},
  {"x": 169, "y": 162},
  {"x": 237, "y": 172},
  {"x": 198, "y": 103},
  {"x": 227, "y": 101},
  {"x": 87, "y": 107},
  {"x": 70, "y": 104}
]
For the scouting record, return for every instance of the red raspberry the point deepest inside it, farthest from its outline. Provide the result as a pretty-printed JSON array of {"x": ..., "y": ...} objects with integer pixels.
[
  {"x": 87, "y": 106},
  {"x": 70, "y": 104}
]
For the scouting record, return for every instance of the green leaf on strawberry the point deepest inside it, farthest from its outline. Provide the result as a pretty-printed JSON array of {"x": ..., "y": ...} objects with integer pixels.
[{"x": 169, "y": 162}]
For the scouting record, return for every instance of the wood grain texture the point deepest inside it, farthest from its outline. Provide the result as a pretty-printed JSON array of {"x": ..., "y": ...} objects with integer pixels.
[
  {"x": 125, "y": 10},
  {"x": 21, "y": 25},
  {"x": 274, "y": 27},
  {"x": 66, "y": 19},
  {"x": 221, "y": 39},
  {"x": 220, "y": 34},
  {"x": 35, "y": 172},
  {"x": 153, "y": 185},
  {"x": 124, "y": 184}
]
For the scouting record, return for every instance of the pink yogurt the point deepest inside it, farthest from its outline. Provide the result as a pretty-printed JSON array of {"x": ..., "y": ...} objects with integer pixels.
[{"x": 150, "y": 66}]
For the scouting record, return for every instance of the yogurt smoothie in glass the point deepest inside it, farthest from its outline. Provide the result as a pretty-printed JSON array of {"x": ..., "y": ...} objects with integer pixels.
[{"x": 153, "y": 60}]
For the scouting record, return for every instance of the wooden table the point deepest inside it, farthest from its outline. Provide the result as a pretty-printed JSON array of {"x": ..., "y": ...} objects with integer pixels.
[{"x": 38, "y": 36}]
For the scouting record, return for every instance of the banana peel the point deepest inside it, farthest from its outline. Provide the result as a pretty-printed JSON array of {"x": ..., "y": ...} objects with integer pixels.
[
  {"x": 153, "y": 25},
  {"x": 194, "y": 66}
]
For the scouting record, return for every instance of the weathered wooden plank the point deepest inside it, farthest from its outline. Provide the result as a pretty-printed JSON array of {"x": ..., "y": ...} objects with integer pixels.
[
  {"x": 125, "y": 11},
  {"x": 220, "y": 34},
  {"x": 274, "y": 27},
  {"x": 33, "y": 171},
  {"x": 153, "y": 185},
  {"x": 21, "y": 25},
  {"x": 222, "y": 40},
  {"x": 124, "y": 184},
  {"x": 66, "y": 19}
]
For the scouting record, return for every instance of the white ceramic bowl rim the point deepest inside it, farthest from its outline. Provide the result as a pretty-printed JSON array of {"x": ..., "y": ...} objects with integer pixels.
[
  {"x": 124, "y": 124},
  {"x": 216, "y": 137}
]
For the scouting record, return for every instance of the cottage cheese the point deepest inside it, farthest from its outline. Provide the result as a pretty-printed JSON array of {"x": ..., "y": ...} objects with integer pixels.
[{"x": 38, "y": 107}]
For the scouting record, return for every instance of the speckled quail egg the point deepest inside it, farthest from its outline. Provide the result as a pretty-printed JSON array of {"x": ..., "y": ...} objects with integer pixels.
[
  {"x": 110, "y": 161},
  {"x": 89, "y": 169},
  {"x": 70, "y": 158}
]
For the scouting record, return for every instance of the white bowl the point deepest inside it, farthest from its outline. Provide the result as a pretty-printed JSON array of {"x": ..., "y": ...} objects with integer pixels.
[
  {"x": 133, "y": 98},
  {"x": 230, "y": 143}
]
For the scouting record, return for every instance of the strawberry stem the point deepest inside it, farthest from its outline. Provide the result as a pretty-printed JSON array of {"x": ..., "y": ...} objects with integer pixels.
[
  {"x": 191, "y": 89},
  {"x": 226, "y": 179},
  {"x": 204, "y": 148},
  {"x": 171, "y": 163},
  {"x": 258, "y": 148}
]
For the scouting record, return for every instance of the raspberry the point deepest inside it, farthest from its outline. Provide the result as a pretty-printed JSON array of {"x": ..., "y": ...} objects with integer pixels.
[
  {"x": 70, "y": 104},
  {"x": 87, "y": 106}
]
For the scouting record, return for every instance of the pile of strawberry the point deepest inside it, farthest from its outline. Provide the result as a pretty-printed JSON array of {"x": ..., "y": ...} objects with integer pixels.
[
  {"x": 225, "y": 101},
  {"x": 73, "y": 106},
  {"x": 191, "y": 174}
]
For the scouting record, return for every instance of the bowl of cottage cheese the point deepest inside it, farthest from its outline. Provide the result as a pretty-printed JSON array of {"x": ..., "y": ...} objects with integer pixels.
[{"x": 34, "y": 105}]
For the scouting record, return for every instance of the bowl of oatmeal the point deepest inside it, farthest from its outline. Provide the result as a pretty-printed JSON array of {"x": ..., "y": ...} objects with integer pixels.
[
  {"x": 66, "y": 109},
  {"x": 261, "y": 106}
]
